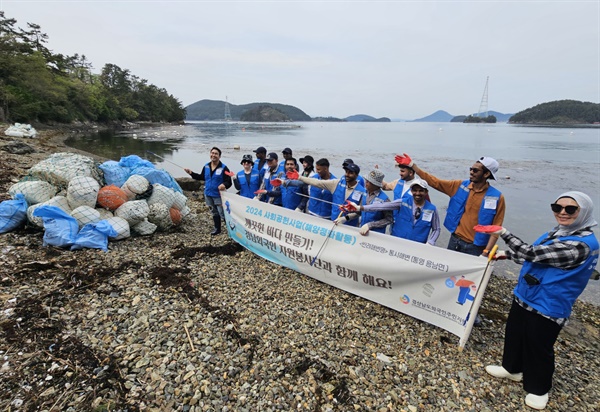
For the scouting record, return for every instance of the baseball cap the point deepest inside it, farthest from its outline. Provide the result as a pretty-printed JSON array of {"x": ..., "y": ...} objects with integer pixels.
[
  {"x": 272, "y": 156},
  {"x": 419, "y": 182},
  {"x": 308, "y": 159},
  {"x": 352, "y": 167},
  {"x": 246, "y": 158},
  {"x": 490, "y": 164},
  {"x": 287, "y": 150},
  {"x": 260, "y": 150},
  {"x": 347, "y": 162}
]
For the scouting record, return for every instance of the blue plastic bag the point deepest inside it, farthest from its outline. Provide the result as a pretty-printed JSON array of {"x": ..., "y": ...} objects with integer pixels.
[
  {"x": 94, "y": 236},
  {"x": 157, "y": 176},
  {"x": 114, "y": 173},
  {"x": 134, "y": 161},
  {"x": 13, "y": 213},
  {"x": 60, "y": 228}
]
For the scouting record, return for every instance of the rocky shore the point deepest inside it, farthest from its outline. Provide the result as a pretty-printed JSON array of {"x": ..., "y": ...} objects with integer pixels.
[{"x": 185, "y": 322}]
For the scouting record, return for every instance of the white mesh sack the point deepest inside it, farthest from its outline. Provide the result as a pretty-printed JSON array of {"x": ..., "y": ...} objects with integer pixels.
[
  {"x": 180, "y": 201},
  {"x": 137, "y": 184},
  {"x": 144, "y": 228},
  {"x": 161, "y": 194},
  {"x": 35, "y": 191},
  {"x": 85, "y": 214},
  {"x": 58, "y": 201},
  {"x": 160, "y": 216},
  {"x": 82, "y": 191},
  {"x": 185, "y": 211},
  {"x": 133, "y": 211},
  {"x": 104, "y": 214},
  {"x": 121, "y": 226},
  {"x": 60, "y": 168}
]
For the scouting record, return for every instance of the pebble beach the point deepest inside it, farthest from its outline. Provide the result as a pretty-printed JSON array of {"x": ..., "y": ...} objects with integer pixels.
[{"x": 182, "y": 321}]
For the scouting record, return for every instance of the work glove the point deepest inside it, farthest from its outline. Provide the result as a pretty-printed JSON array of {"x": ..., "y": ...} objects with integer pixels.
[
  {"x": 298, "y": 209},
  {"x": 276, "y": 182},
  {"x": 260, "y": 192},
  {"x": 404, "y": 160},
  {"x": 500, "y": 255},
  {"x": 349, "y": 207},
  {"x": 341, "y": 219},
  {"x": 230, "y": 174},
  {"x": 364, "y": 229},
  {"x": 293, "y": 175},
  {"x": 490, "y": 229}
]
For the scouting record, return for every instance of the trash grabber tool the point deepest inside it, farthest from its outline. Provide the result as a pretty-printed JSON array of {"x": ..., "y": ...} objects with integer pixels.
[
  {"x": 325, "y": 242},
  {"x": 166, "y": 160},
  {"x": 317, "y": 199}
]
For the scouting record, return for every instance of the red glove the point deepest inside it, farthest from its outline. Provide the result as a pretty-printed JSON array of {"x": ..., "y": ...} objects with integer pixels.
[
  {"x": 404, "y": 160},
  {"x": 230, "y": 174},
  {"x": 349, "y": 207},
  {"x": 276, "y": 182},
  {"x": 293, "y": 175},
  {"x": 260, "y": 192},
  {"x": 500, "y": 255},
  {"x": 489, "y": 229}
]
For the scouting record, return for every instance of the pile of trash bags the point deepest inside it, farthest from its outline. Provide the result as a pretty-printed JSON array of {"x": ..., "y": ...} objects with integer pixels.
[
  {"x": 80, "y": 204},
  {"x": 21, "y": 130}
]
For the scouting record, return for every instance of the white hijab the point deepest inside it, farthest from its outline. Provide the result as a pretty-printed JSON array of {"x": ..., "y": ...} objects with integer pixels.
[{"x": 585, "y": 218}]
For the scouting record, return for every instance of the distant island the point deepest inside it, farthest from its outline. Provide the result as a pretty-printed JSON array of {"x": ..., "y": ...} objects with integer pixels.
[{"x": 559, "y": 112}]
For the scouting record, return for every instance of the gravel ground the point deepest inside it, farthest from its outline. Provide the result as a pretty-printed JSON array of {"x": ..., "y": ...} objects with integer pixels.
[{"x": 182, "y": 321}]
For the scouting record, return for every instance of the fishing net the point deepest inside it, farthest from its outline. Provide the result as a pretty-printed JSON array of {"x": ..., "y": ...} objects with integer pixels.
[
  {"x": 161, "y": 194},
  {"x": 111, "y": 197},
  {"x": 82, "y": 191},
  {"x": 160, "y": 216},
  {"x": 136, "y": 185},
  {"x": 179, "y": 201},
  {"x": 104, "y": 214},
  {"x": 85, "y": 214},
  {"x": 121, "y": 226},
  {"x": 144, "y": 228},
  {"x": 35, "y": 191},
  {"x": 60, "y": 168},
  {"x": 58, "y": 201}
]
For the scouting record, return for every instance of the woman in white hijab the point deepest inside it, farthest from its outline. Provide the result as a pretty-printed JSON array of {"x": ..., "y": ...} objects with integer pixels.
[{"x": 556, "y": 269}]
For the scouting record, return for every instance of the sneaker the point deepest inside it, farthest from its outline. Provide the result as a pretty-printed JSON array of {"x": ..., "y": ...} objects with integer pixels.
[
  {"x": 500, "y": 372},
  {"x": 536, "y": 401}
]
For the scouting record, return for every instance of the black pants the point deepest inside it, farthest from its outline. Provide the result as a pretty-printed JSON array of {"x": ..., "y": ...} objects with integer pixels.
[{"x": 529, "y": 348}]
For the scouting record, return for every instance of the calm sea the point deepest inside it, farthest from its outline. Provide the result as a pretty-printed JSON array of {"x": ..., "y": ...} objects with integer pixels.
[{"x": 536, "y": 163}]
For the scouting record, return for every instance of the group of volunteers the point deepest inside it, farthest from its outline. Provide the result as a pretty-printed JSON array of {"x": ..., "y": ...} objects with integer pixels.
[{"x": 556, "y": 267}]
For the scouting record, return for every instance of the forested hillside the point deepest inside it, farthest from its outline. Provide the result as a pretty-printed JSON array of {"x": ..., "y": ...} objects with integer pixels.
[
  {"x": 38, "y": 85},
  {"x": 215, "y": 110},
  {"x": 559, "y": 112}
]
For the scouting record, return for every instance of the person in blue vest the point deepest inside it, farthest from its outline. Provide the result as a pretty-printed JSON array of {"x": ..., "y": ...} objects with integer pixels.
[
  {"x": 289, "y": 193},
  {"x": 260, "y": 164},
  {"x": 375, "y": 220},
  {"x": 417, "y": 218},
  {"x": 287, "y": 154},
  {"x": 360, "y": 179},
  {"x": 344, "y": 189},
  {"x": 248, "y": 180},
  {"x": 556, "y": 269},
  {"x": 320, "y": 200},
  {"x": 308, "y": 165},
  {"x": 472, "y": 202},
  {"x": 267, "y": 192},
  {"x": 216, "y": 179}
]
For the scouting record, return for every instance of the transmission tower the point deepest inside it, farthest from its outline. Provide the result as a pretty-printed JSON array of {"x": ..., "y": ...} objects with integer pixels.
[
  {"x": 483, "y": 106},
  {"x": 227, "y": 111}
]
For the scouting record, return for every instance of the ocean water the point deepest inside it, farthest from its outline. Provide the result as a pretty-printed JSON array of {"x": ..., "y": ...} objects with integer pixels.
[{"x": 536, "y": 163}]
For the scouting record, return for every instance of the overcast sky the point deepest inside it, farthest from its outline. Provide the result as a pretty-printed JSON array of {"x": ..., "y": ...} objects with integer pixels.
[{"x": 399, "y": 59}]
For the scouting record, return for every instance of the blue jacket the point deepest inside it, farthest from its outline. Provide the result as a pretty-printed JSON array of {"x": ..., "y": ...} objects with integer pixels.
[
  {"x": 247, "y": 188},
  {"x": 317, "y": 208},
  {"x": 339, "y": 197},
  {"x": 558, "y": 288},
  {"x": 374, "y": 216},
  {"x": 212, "y": 179},
  {"x": 456, "y": 208},
  {"x": 403, "y": 223}
]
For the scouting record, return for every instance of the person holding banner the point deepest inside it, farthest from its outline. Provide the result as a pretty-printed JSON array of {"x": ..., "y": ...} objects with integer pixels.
[
  {"x": 417, "y": 218},
  {"x": 216, "y": 178},
  {"x": 289, "y": 193},
  {"x": 267, "y": 192},
  {"x": 473, "y": 201},
  {"x": 556, "y": 269},
  {"x": 344, "y": 189},
  {"x": 247, "y": 181}
]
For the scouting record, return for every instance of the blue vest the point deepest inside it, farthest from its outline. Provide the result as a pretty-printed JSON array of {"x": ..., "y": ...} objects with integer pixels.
[
  {"x": 403, "y": 223},
  {"x": 315, "y": 207},
  {"x": 374, "y": 216},
  {"x": 276, "y": 200},
  {"x": 398, "y": 194},
  {"x": 456, "y": 208},
  {"x": 247, "y": 188},
  {"x": 290, "y": 198},
  {"x": 213, "y": 180},
  {"x": 339, "y": 197},
  {"x": 558, "y": 288},
  {"x": 260, "y": 171}
]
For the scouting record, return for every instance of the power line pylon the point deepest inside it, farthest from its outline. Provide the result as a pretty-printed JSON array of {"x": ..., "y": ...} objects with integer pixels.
[
  {"x": 227, "y": 111},
  {"x": 483, "y": 107}
]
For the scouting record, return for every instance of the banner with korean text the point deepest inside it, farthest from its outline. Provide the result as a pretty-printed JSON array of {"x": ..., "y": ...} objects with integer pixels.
[{"x": 433, "y": 284}]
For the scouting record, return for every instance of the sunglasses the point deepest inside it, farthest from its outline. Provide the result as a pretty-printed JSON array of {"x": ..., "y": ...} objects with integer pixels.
[
  {"x": 474, "y": 169},
  {"x": 570, "y": 210}
]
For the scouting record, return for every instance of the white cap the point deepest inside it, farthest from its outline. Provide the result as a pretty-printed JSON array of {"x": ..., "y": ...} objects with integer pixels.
[
  {"x": 490, "y": 164},
  {"x": 419, "y": 182}
]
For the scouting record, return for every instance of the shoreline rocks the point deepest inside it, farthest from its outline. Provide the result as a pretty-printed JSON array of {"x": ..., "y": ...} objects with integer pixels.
[{"x": 188, "y": 322}]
